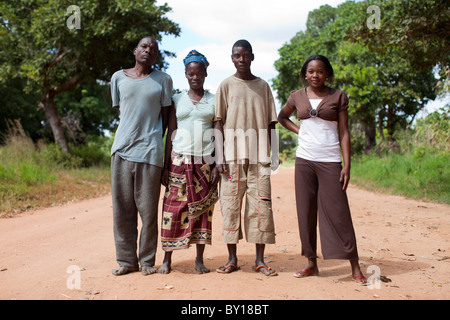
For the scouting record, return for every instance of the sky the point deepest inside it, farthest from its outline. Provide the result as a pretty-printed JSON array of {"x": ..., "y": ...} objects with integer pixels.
[{"x": 213, "y": 26}]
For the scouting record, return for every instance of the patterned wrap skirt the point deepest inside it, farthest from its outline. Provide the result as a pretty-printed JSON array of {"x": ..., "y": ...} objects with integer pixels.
[{"x": 188, "y": 204}]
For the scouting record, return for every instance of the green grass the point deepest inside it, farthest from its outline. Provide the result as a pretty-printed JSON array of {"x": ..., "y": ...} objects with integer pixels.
[
  {"x": 42, "y": 175},
  {"x": 425, "y": 177},
  {"x": 419, "y": 169}
]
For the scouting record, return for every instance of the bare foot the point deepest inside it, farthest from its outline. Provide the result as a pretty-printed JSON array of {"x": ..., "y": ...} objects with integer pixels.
[
  {"x": 200, "y": 267},
  {"x": 124, "y": 270},
  {"x": 147, "y": 270},
  {"x": 165, "y": 268}
]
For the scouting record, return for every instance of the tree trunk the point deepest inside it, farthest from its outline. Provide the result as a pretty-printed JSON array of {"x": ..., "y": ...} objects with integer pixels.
[
  {"x": 380, "y": 125},
  {"x": 390, "y": 124},
  {"x": 51, "y": 113},
  {"x": 370, "y": 137}
]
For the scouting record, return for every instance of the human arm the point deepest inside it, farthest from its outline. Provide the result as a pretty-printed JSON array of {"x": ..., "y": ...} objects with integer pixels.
[
  {"x": 218, "y": 141},
  {"x": 165, "y": 114},
  {"x": 166, "y": 101},
  {"x": 275, "y": 160},
  {"x": 344, "y": 139},
  {"x": 283, "y": 119},
  {"x": 215, "y": 175},
  {"x": 172, "y": 126}
]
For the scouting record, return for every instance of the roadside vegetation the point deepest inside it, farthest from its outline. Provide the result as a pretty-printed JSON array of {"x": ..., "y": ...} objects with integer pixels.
[
  {"x": 55, "y": 102},
  {"x": 419, "y": 165},
  {"x": 42, "y": 175}
]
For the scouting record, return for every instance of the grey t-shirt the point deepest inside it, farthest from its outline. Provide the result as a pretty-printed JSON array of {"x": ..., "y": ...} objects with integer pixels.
[{"x": 139, "y": 135}]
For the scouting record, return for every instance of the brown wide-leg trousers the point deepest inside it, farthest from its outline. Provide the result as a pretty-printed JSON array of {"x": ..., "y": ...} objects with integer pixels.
[{"x": 319, "y": 194}]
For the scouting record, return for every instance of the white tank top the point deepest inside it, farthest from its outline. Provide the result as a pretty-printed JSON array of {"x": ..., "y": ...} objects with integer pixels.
[{"x": 318, "y": 139}]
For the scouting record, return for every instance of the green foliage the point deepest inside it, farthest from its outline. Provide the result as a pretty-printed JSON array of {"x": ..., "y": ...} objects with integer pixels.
[
  {"x": 385, "y": 87},
  {"x": 30, "y": 172},
  {"x": 22, "y": 161},
  {"x": 37, "y": 46},
  {"x": 288, "y": 144},
  {"x": 87, "y": 111},
  {"x": 422, "y": 175},
  {"x": 94, "y": 153},
  {"x": 16, "y": 105},
  {"x": 433, "y": 131},
  {"x": 20, "y": 164},
  {"x": 418, "y": 29},
  {"x": 51, "y": 155},
  {"x": 422, "y": 168}
]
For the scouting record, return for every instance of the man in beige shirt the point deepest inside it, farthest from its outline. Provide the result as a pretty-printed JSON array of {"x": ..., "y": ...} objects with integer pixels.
[{"x": 245, "y": 116}]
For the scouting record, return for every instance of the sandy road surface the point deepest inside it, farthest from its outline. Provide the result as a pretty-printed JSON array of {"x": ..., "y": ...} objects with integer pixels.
[{"x": 407, "y": 241}]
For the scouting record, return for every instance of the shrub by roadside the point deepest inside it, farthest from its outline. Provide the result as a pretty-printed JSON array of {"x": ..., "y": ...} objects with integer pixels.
[
  {"x": 421, "y": 168},
  {"x": 42, "y": 175}
]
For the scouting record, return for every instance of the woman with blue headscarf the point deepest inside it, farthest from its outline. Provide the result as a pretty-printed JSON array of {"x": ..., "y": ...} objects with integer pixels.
[{"x": 189, "y": 173}]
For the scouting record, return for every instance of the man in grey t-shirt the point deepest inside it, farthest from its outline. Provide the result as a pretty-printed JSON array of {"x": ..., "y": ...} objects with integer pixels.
[{"x": 143, "y": 96}]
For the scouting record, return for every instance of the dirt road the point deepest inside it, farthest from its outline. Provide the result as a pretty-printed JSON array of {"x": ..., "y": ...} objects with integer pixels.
[{"x": 67, "y": 252}]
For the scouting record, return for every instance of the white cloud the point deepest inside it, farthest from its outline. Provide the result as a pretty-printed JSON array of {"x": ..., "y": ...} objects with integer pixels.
[
  {"x": 212, "y": 26},
  {"x": 219, "y": 56},
  {"x": 230, "y": 20}
]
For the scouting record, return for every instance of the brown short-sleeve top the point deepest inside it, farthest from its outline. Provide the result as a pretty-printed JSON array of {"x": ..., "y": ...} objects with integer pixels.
[{"x": 328, "y": 109}]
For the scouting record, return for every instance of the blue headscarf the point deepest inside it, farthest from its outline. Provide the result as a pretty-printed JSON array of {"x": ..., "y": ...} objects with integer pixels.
[{"x": 195, "y": 56}]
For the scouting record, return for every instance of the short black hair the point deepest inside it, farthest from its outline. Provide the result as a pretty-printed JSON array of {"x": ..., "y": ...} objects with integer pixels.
[
  {"x": 147, "y": 37},
  {"x": 243, "y": 44},
  {"x": 325, "y": 61}
]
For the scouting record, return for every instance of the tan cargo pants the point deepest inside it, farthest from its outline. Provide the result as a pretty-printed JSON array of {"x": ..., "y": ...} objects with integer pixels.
[{"x": 252, "y": 180}]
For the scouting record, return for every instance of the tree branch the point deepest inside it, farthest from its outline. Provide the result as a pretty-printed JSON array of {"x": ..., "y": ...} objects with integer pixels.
[
  {"x": 56, "y": 58},
  {"x": 70, "y": 84}
]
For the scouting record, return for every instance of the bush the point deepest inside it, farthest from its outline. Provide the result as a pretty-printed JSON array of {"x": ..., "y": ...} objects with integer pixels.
[
  {"x": 20, "y": 165},
  {"x": 95, "y": 153},
  {"x": 90, "y": 155},
  {"x": 422, "y": 168},
  {"x": 429, "y": 135},
  {"x": 52, "y": 155},
  {"x": 41, "y": 175}
]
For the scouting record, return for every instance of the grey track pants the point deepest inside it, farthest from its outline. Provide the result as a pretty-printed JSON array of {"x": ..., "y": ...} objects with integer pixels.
[{"x": 135, "y": 188}]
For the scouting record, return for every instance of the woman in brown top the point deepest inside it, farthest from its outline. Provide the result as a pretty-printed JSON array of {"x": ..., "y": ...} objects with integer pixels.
[{"x": 320, "y": 179}]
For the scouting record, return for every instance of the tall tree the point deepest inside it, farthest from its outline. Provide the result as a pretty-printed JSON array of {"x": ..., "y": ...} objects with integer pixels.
[
  {"x": 15, "y": 105},
  {"x": 383, "y": 89},
  {"x": 56, "y": 46},
  {"x": 418, "y": 29}
]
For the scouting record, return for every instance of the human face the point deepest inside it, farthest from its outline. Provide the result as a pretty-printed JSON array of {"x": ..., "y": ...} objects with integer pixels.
[
  {"x": 242, "y": 59},
  {"x": 316, "y": 73},
  {"x": 147, "y": 51},
  {"x": 196, "y": 74}
]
